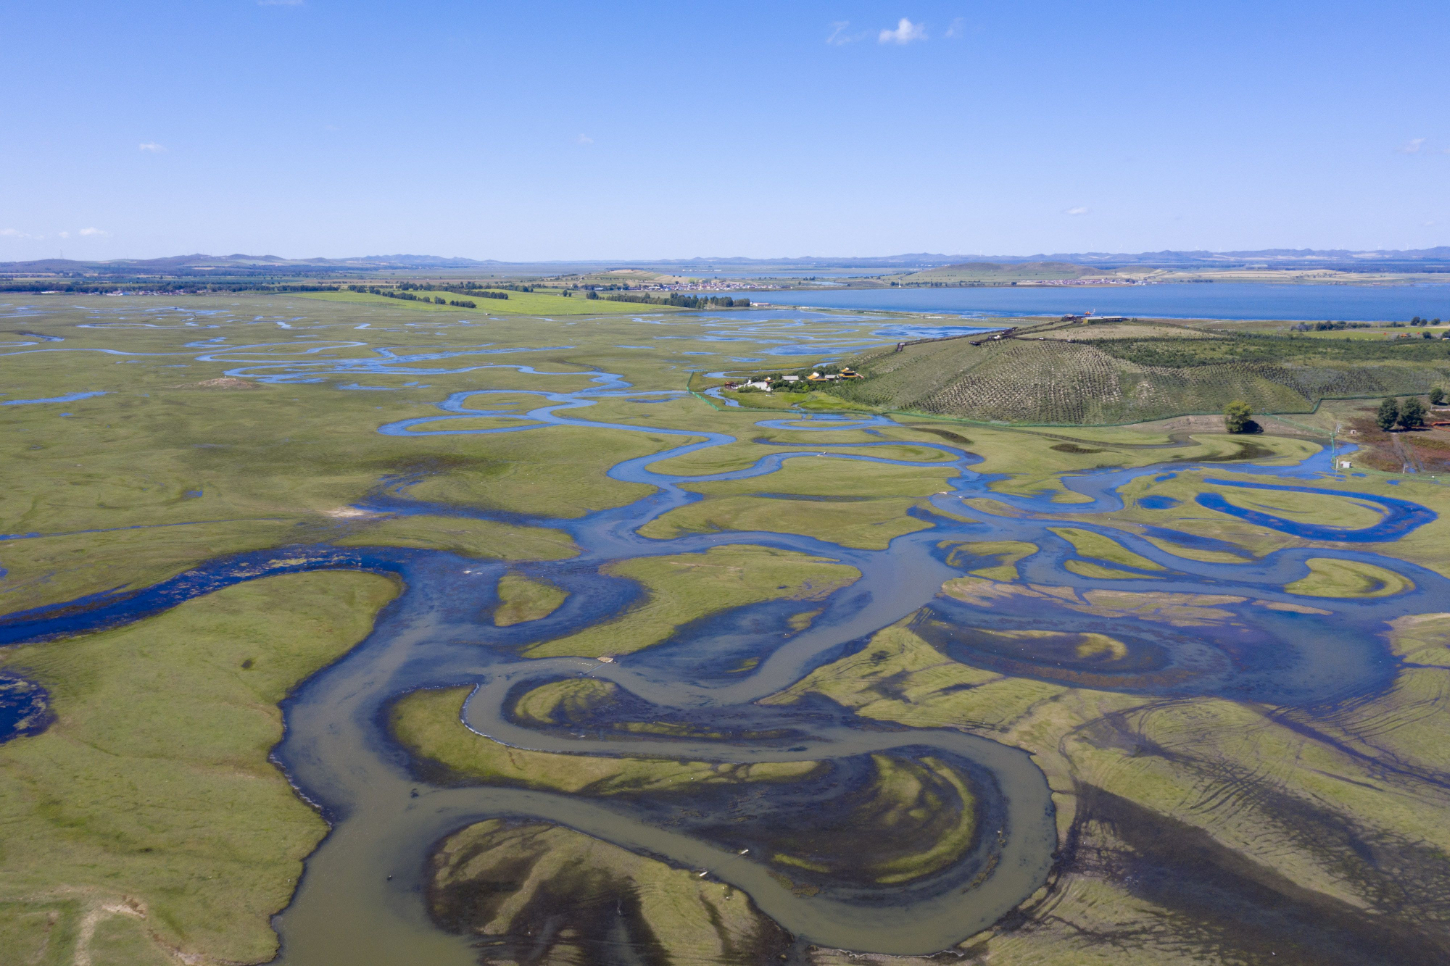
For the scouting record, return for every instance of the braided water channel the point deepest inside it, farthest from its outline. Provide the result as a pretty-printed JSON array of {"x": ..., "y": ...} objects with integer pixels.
[{"x": 360, "y": 901}]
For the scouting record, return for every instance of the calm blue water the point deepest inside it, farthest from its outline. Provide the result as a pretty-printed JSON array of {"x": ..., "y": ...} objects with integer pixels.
[
  {"x": 69, "y": 397},
  {"x": 24, "y": 707},
  {"x": 1351, "y": 303}
]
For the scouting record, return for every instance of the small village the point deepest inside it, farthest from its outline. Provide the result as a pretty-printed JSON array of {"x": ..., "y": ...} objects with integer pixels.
[{"x": 800, "y": 381}]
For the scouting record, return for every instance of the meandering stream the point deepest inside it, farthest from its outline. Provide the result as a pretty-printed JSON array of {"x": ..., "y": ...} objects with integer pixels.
[{"x": 360, "y": 901}]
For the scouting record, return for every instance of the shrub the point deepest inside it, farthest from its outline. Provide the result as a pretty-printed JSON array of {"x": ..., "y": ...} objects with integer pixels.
[{"x": 1437, "y": 396}]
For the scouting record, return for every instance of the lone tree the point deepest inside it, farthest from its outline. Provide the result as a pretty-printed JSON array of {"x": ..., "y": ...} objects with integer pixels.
[
  {"x": 1237, "y": 416},
  {"x": 1437, "y": 396},
  {"x": 1412, "y": 413},
  {"x": 1387, "y": 415}
]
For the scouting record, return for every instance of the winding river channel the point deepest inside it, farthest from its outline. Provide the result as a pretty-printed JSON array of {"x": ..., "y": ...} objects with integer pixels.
[{"x": 360, "y": 901}]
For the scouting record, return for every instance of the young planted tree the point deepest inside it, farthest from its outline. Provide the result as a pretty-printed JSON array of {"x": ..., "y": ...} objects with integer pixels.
[
  {"x": 1387, "y": 415},
  {"x": 1412, "y": 413},
  {"x": 1237, "y": 416}
]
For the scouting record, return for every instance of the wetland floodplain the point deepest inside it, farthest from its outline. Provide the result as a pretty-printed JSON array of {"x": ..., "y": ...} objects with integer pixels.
[{"x": 532, "y": 654}]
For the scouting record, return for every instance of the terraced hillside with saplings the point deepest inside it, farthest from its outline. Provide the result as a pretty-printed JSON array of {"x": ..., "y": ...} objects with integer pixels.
[{"x": 1027, "y": 379}]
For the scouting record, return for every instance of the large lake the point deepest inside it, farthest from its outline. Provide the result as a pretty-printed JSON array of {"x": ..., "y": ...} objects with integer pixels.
[{"x": 1217, "y": 300}]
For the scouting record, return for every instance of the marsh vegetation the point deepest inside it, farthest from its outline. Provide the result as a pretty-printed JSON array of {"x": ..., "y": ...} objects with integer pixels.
[{"x": 581, "y": 667}]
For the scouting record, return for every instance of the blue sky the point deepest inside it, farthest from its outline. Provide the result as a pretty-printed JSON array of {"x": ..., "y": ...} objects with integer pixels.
[{"x": 553, "y": 130}]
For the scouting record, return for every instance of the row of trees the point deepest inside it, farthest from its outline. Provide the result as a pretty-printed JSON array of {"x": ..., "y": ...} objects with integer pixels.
[
  {"x": 1328, "y": 326},
  {"x": 1392, "y": 414},
  {"x": 476, "y": 288},
  {"x": 401, "y": 292}
]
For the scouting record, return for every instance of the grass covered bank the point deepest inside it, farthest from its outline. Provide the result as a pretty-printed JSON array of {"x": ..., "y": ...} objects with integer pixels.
[{"x": 148, "y": 817}]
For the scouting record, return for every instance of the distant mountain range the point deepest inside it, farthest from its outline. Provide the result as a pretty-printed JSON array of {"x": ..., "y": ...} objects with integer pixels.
[{"x": 1425, "y": 259}]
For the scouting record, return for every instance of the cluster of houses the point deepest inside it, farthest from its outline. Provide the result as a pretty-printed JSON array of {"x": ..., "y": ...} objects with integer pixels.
[{"x": 788, "y": 383}]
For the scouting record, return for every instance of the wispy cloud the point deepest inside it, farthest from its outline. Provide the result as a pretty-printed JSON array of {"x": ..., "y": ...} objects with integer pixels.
[
  {"x": 840, "y": 36},
  {"x": 12, "y": 233},
  {"x": 1079, "y": 210},
  {"x": 584, "y": 139},
  {"x": 905, "y": 33},
  {"x": 91, "y": 232},
  {"x": 957, "y": 29},
  {"x": 64, "y": 234},
  {"x": 1412, "y": 146},
  {"x": 151, "y": 146}
]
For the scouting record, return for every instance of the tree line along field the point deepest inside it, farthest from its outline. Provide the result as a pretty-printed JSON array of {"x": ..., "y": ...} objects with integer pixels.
[{"x": 1125, "y": 379}]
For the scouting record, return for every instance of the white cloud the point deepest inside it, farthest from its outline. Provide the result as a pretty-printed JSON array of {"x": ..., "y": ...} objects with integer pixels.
[
  {"x": 1412, "y": 146},
  {"x": 90, "y": 232},
  {"x": 958, "y": 28},
  {"x": 584, "y": 139},
  {"x": 151, "y": 146},
  {"x": 65, "y": 234},
  {"x": 905, "y": 33},
  {"x": 1079, "y": 210},
  {"x": 12, "y": 233}
]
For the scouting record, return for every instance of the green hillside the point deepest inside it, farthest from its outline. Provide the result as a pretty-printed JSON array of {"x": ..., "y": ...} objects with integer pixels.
[{"x": 1029, "y": 380}]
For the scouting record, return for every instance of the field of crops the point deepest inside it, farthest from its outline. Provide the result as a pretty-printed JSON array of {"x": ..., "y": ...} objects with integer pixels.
[{"x": 1130, "y": 380}]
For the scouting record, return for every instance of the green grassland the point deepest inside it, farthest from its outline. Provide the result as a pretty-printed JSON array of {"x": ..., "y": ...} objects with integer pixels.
[
  {"x": 1313, "y": 508},
  {"x": 1329, "y": 577},
  {"x": 537, "y": 303},
  {"x": 521, "y": 599},
  {"x": 818, "y": 497},
  {"x": 1004, "y": 555},
  {"x": 161, "y": 728},
  {"x": 427, "y": 723},
  {"x": 555, "y": 470},
  {"x": 463, "y": 536},
  {"x": 560, "y": 702},
  {"x": 1090, "y": 544},
  {"x": 685, "y": 587},
  {"x": 174, "y": 470}
]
